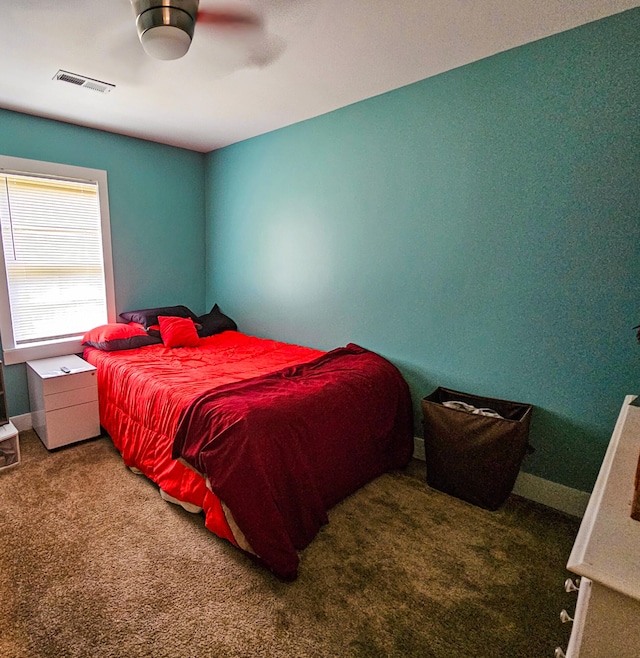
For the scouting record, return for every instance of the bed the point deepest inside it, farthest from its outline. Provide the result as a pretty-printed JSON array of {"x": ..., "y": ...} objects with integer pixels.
[{"x": 261, "y": 436}]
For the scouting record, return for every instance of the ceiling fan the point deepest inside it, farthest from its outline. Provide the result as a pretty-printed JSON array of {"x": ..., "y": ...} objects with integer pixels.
[{"x": 166, "y": 27}]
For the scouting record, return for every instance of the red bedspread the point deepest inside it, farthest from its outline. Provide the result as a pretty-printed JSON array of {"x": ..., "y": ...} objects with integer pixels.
[{"x": 281, "y": 449}]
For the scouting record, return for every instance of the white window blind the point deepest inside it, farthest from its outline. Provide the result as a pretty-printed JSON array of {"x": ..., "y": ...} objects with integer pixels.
[{"x": 53, "y": 253}]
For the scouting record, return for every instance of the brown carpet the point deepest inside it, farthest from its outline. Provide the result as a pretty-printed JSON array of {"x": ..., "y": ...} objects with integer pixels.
[{"x": 94, "y": 563}]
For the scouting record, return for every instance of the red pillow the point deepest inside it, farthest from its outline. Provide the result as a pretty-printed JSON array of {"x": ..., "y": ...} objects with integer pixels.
[
  {"x": 178, "y": 332},
  {"x": 154, "y": 329},
  {"x": 118, "y": 336}
]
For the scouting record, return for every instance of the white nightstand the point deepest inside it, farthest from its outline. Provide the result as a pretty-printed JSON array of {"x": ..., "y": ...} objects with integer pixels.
[{"x": 63, "y": 392}]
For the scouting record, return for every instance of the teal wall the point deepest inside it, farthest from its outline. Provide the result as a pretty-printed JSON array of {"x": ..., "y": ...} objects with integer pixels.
[
  {"x": 480, "y": 228},
  {"x": 156, "y": 201}
]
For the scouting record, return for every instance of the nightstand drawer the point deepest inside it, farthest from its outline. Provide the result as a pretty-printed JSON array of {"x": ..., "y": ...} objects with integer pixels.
[
  {"x": 70, "y": 398},
  {"x": 70, "y": 382},
  {"x": 71, "y": 424}
]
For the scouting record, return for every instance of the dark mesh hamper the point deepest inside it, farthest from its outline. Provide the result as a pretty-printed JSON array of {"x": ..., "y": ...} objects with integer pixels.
[{"x": 474, "y": 457}]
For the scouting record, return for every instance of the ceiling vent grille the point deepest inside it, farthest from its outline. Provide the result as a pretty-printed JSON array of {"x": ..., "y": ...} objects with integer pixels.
[{"x": 83, "y": 81}]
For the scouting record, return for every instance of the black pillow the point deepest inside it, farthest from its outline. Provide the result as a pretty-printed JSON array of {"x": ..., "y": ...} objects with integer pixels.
[
  {"x": 215, "y": 322},
  {"x": 147, "y": 317},
  {"x": 125, "y": 343}
]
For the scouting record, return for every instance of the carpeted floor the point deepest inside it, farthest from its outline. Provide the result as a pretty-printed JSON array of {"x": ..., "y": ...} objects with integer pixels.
[{"x": 94, "y": 563}]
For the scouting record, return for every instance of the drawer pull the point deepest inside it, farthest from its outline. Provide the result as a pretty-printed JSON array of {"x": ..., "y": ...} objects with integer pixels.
[
  {"x": 559, "y": 653},
  {"x": 571, "y": 586},
  {"x": 564, "y": 617}
]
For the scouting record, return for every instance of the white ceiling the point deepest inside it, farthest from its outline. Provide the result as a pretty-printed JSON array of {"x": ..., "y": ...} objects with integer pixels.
[{"x": 330, "y": 53}]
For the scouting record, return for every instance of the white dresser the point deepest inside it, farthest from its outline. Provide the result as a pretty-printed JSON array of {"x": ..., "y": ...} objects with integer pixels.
[
  {"x": 63, "y": 393},
  {"x": 606, "y": 553}
]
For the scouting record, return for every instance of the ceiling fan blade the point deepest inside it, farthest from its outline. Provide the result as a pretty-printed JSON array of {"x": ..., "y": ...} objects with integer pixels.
[
  {"x": 232, "y": 17},
  {"x": 266, "y": 52}
]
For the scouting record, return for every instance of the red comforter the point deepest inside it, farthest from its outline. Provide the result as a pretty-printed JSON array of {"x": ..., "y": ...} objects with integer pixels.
[{"x": 281, "y": 449}]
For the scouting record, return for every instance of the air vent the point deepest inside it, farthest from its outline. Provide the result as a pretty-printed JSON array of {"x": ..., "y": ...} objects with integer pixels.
[{"x": 83, "y": 81}]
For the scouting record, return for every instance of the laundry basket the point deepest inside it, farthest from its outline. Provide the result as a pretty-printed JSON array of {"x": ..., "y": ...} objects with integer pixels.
[{"x": 470, "y": 454}]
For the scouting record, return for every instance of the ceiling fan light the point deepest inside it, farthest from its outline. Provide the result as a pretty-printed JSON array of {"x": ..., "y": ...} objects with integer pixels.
[{"x": 165, "y": 42}]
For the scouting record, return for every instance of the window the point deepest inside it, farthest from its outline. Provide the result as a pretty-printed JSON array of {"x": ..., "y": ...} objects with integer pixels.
[{"x": 56, "y": 275}]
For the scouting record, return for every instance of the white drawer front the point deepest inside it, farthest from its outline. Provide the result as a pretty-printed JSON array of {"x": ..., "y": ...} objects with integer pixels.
[
  {"x": 69, "y": 382},
  {"x": 582, "y": 605},
  {"x": 70, "y": 398},
  {"x": 71, "y": 424}
]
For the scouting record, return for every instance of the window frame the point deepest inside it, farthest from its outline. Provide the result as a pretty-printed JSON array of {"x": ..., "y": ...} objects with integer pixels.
[{"x": 57, "y": 347}]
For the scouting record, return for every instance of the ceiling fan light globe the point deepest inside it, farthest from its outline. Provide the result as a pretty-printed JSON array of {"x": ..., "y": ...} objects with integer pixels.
[{"x": 165, "y": 42}]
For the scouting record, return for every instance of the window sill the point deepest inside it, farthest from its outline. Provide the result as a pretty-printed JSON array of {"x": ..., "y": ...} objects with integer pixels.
[{"x": 43, "y": 351}]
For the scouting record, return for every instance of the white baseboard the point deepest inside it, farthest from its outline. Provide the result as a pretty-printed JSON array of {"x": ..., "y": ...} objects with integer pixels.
[
  {"x": 22, "y": 422},
  {"x": 552, "y": 494},
  {"x": 558, "y": 496}
]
